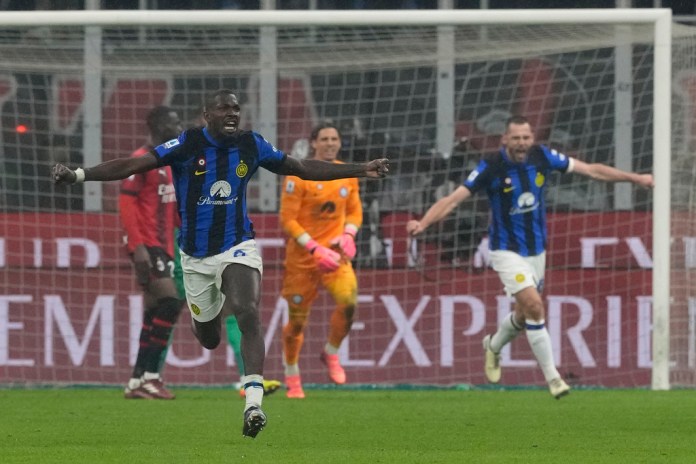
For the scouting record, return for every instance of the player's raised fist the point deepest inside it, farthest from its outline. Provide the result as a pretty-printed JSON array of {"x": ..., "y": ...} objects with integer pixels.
[
  {"x": 377, "y": 168},
  {"x": 63, "y": 175}
]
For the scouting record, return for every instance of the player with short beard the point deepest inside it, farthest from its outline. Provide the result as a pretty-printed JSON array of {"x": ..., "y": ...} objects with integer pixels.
[{"x": 515, "y": 179}]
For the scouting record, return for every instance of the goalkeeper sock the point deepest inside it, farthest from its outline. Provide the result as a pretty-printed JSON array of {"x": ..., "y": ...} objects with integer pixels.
[
  {"x": 330, "y": 349},
  {"x": 507, "y": 331},
  {"x": 234, "y": 337},
  {"x": 292, "y": 369},
  {"x": 540, "y": 342}
]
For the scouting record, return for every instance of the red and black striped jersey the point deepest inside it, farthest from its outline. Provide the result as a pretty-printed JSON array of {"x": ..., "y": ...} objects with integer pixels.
[{"x": 147, "y": 204}]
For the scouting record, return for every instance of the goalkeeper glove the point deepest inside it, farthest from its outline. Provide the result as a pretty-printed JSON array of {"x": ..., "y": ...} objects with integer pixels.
[
  {"x": 346, "y": 242},
  {"x": 327, "y": 260}
]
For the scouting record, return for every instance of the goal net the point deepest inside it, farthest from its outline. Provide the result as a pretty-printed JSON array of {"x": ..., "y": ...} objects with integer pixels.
[{"x": 431, "y": 90}]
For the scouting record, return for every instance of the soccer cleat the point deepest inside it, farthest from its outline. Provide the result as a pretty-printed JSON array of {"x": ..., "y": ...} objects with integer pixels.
[
  {"x": 269, "y": 387},
  {"x": 254, "y": 422},
  {"x": 558, "y": 388},
  {"x": 336, "y": 372},
  {"x": 492, "y": 364},
  {"x": 136, "y": 393},
  {"x": 156, "y": 389},
  {"x": 294, "y": 384}
]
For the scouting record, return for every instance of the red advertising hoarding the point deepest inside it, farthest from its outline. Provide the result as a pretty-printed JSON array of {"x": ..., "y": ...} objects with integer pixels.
[{"x": 70, "y": 309}]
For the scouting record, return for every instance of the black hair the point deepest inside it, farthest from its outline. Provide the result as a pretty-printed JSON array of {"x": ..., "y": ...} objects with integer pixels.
[
  {"x": 515, "y": 119},
  {"x": 210, "y": 99},
  {"x": 323, "y": 125},
  {"x": 157, "y": 115}
]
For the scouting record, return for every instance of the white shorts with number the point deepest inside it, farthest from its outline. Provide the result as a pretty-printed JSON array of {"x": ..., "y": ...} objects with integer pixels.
[
  {"x": 519, "y": 272},
  {"x": 203, "y": 278}
]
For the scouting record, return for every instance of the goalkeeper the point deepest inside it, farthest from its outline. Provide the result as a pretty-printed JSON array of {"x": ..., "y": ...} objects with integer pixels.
[
  {"x": 515, "y": 179},
  {"x": 321, "y": 219}
]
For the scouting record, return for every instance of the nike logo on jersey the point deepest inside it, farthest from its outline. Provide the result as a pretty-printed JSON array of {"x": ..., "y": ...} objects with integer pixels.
[
  {"x": 199, "y": 173},
  {"x": 508, "y": 189}
]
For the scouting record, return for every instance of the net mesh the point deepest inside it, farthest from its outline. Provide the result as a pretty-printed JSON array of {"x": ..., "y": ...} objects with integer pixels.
[{"x": 70, "y": 308}]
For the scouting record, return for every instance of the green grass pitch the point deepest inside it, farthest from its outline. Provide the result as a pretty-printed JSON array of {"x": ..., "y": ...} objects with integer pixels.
[{"x": 350, "y": 426}]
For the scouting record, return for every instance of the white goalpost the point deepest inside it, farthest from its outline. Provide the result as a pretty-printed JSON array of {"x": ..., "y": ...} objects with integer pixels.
[{"x": 428, "y": 88}]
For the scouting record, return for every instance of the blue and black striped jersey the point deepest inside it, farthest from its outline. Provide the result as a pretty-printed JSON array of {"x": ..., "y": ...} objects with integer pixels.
[
  {"x": 516, "y": 196},
  {"x": 210, "y": 180}
]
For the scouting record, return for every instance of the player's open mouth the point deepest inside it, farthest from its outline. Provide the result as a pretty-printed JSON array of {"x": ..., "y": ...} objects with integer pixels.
[{"x": 230, "y": 126}]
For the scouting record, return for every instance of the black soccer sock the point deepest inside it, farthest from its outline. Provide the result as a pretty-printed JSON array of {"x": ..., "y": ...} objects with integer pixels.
[
  {"x": 143, "y": 345},
  {"x": 162, "y": 324}
]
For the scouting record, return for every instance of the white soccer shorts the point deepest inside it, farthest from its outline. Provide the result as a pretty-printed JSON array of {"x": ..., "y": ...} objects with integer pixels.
[
  {"x": 518, "y": 272},
  {"x": 203, "y": 278}
]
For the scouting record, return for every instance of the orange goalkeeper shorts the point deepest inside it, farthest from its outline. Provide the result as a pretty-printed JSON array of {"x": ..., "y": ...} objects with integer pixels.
[{"x": 301, "y": 284}]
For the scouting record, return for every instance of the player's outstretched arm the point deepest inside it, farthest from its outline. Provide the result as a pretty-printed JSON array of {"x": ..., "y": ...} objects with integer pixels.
[
  {"x": 116, "y": 169},
  {"x": 606, "y": 173},
  {"x": 311, "y": 169},
  {"x": 438, "y": 211}
]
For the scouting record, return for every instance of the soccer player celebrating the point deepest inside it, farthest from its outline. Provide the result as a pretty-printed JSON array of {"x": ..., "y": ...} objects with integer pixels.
[
  {"x": 514, "y": 179},
  {"x": 222, "y": 268},
  {"x": 234, "y": 335},
  {"x": 148, "y": 212},
  {"x": 321, "y": 219}
]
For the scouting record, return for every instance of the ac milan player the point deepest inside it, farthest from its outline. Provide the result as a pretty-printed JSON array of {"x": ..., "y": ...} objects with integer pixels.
[{"x": 148, "y": 212}]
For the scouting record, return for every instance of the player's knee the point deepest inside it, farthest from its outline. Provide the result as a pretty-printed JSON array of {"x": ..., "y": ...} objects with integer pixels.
[
  {"x": 169, "y": 308},
  {"x": 348, "y": 312},
  {"x": 207, "y": 334},
  {"x": 534, "y": 311},
  {"x": 295, "y": 326}
]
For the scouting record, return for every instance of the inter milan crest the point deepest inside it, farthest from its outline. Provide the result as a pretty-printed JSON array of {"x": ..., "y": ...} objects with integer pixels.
[
  {"x": 242, "y": 169},
  {"x": 195, "y": 309},
  {"x": 539, "y": 180}
]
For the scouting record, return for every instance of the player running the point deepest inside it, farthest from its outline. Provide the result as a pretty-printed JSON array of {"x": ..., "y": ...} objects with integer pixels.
[
  {"x": 212, "y": 167},
  {"x": 514, "y": 179}
]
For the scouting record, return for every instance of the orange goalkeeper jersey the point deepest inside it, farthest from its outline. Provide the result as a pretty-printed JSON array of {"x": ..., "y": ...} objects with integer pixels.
[{"x": 320, "y": 208}]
